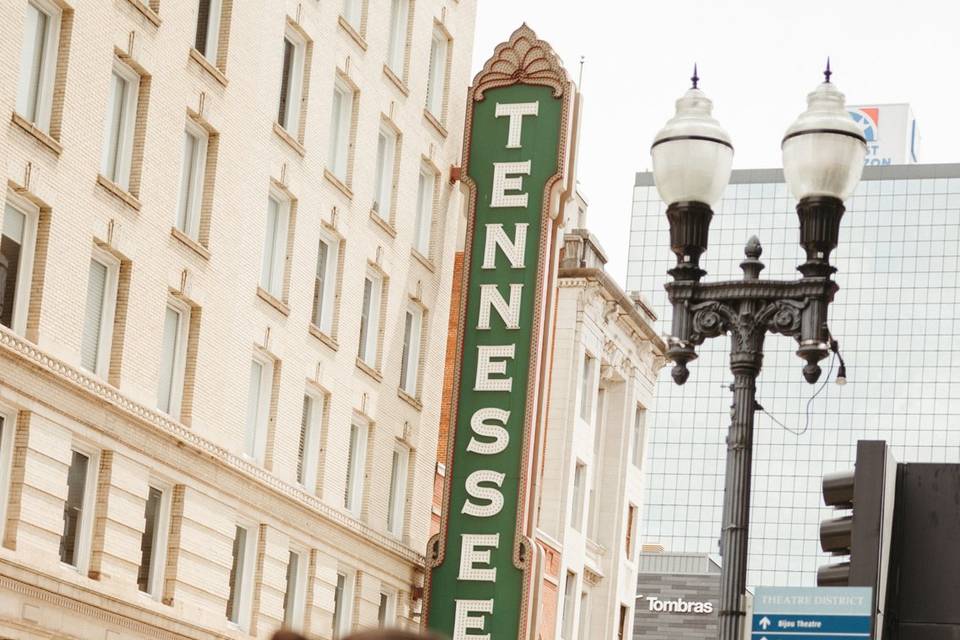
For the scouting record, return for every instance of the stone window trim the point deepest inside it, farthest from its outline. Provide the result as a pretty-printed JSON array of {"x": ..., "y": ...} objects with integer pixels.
[
  {"x": 439, "y": 119},
  {"x": 417, "y": 401},
  {"x": 375, "y": 369},
  {"x": 121, "y": 306},
  {"x": 217, "y": 69},
  {"x": 427, "y": 165},
  {"x": 209, "y": 176},
  {"x": 158, "y": 568},
  {"x": 178, "y": 298},
  {"x": 401, "y": 77},
  {"x": 268, "y": 358},
  {"x": 295, "y": 32},
  {"x": 87, "y": 525},
  {"x": 282, "y": 192},
  {"x": 346, "y": 185},
  {"x": 357, "y": 32},
  {"x": 390, "y": 219},
  {"x": 149, "y": 10},
  {"x": 11, "y": 479},
  {"x": 322, "y": 393}
]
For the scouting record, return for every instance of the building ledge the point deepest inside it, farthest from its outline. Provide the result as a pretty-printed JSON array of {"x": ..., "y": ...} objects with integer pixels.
[
  {"x": 292, "y": 142},
  {"x": 336, "y": 182},
  {"x": 424, "y": 260},
  {"x": 370, "y": 371},
  {"x": 396, "y": 81},
  {"x": 388, "y": 228},
  {"x": 435, "y": 123},
  {"x": 190, "y": 243},
  {"x": 318, "y": 333},
  {"x": 353, "y": 33},
  {"x": 38, "y": 134},
  {"x": 205, "y": 64},
  {"x": 118, "y": 192},
  {"x": 409, "y": 399},
  {"x": 274, "y": 302},
  {"x": 147, "y": 12}
]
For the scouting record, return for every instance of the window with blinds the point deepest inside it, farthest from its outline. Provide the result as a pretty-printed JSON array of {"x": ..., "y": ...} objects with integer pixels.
[
  {"x": 150, "y": 573},
  {"x": 98, "y": 317},
  {"x": 74, "y": 509}
]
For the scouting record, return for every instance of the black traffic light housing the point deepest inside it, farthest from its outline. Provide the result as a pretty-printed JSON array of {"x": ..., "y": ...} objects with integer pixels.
[{"x": 864, "y": 534}]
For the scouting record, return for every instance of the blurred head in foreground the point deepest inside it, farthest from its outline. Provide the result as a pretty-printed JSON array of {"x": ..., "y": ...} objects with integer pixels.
[{"x": 379, "y": 634}]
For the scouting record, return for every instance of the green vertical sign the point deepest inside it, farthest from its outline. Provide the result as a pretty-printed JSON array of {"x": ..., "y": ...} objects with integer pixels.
[{"x": 480, "y": 573}]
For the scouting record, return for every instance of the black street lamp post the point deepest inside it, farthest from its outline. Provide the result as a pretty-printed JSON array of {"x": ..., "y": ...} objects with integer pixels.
[{"x": 823, "y": 154}]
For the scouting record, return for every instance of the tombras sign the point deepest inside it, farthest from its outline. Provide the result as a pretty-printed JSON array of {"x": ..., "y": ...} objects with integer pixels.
[{"x": 483, "y": 565}]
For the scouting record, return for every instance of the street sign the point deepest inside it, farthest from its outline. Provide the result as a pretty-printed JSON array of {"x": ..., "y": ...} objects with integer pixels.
[{"x": 811, "y": 613}]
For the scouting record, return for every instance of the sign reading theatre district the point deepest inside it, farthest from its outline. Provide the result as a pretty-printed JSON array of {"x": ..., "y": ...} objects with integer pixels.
[
  {"x": 482, "y": 564},
  {"x": 811, "y": 613}
]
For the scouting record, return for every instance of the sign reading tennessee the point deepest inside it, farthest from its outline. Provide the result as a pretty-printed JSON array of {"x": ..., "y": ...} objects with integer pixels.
[{"x": 480, "y": 564}]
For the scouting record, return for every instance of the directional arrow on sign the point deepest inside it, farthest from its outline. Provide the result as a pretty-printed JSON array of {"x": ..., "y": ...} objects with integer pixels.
[{"x": 764, "y": 622}]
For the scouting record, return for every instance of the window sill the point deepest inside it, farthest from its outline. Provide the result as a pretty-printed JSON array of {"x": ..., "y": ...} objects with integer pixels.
[
  {"x": 201, "y": 60},
  {"x": 370, "y": 371},
  {"x": 354, "y": 35},
  {"x": 409, "y": 399},
  {"x": 397, "y": 82},
  {"x": 118, "y": 192},
  {"x": 335, "y": 181},
  {"x": 432, "y": 119},
  {"x": 289, "y": 139},
  {"x": 267, "y": 297},
  {"x": 318, "y": 333},
  {"x": 41, "y": 136},
  {"x": 388, "y": 228},
  {"x": 425, "y": 261},
  {"x": 190, "y": 243},
  {"x": 147, "y": 12}
]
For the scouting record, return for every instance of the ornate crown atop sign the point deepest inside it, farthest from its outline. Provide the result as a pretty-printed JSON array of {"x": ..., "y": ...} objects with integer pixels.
[{"x": 523, "y": 58}]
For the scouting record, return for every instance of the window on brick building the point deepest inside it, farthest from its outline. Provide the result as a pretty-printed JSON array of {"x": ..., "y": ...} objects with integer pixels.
[
  {"x": 78, "y": 510},
  {"x": 291, "y": 82},
  {"x": 410, "y": 355},
  {"x": 274, "y": 259},
  {"x": 241, "y": 577},
  {"x": 121, "y": 120},
  {"x": 38, "y": 62},
  {"x": 207, "y": 40},
  {"x": 426, "y": 188},
  {"x": 325, "y": 283},
  {"x": 311, "y": 422},
  {"x": 173, "y": 357},
  {"x": 7, "y": 427},
  {"x": 387, "y": 610},
  {"x": 293, "y": 597},
  {"x": 342, "y": 609},
  {"x": 437, "y": 73},
  {"x": 397, "y": 43},
  {"x": 195, "y": 140},
  {"x": 587, "y": 387},
  {"x": 383, "y": 182},
  {"x": 353, "y": 13},
  {"x": 258, "y": 407},
  {"x": 370, "y": 318},
  {"x": 153, "y": 541},
  {"x": 341, "y": 123},
  {"x": 398, "y": 489},
  {"x": 95, "y": 345},
  {"x": 17, "y": 242},
  {"x": 356, "y": 463}
]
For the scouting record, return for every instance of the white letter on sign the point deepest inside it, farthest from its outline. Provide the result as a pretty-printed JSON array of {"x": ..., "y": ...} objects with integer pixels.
[
  {"x": 513, "y": 250},
  {"x": 486, "y": 366},
  {"x": 471, "y": 555},
  {"x": 515, "y": 112},
  {"x": 501, "y": 437},
  {"x": 490, "y": 296},
  {"x": 463, "y": 621},
  {"x": 502, "y": 183},
  {"x": 474, "y": 490}
]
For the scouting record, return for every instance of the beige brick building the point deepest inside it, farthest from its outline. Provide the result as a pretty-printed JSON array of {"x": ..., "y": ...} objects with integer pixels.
[{"x": 227, "y": 250}]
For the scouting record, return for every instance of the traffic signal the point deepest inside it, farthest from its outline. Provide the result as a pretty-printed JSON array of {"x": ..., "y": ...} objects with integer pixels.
[{"x": 836, "y": 534}]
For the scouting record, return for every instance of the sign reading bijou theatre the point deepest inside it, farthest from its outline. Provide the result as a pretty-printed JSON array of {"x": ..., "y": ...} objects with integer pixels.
[{"x": 481, "y": 564}]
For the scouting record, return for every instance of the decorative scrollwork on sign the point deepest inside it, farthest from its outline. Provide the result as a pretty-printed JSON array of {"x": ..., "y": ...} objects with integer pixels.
[{"x": 524, "y": 59}]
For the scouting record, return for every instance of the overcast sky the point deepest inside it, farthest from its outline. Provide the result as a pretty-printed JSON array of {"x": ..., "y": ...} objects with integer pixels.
[{"x": 758, "y": 59}]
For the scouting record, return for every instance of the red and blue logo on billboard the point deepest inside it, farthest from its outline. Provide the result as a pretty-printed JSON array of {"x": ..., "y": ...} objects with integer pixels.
[{"x": 868, "y": 119}]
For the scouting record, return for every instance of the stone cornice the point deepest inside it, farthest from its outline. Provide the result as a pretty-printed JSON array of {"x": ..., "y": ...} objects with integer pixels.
[{"x": 12, "y": 345}]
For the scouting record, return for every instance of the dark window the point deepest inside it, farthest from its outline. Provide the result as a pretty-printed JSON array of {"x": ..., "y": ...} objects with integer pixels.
[
  {"x": 73, "y": 507},
  {"x": 150, "y": 538},
  {"x": 288, "y": 51}
]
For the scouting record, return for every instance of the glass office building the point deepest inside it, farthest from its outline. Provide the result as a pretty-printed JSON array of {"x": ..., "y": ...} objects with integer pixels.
[{"x": 896, "y": 316}]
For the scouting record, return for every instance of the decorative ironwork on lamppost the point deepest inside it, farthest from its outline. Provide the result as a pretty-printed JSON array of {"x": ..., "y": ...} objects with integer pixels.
[{"x": 823, "y": 154}]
